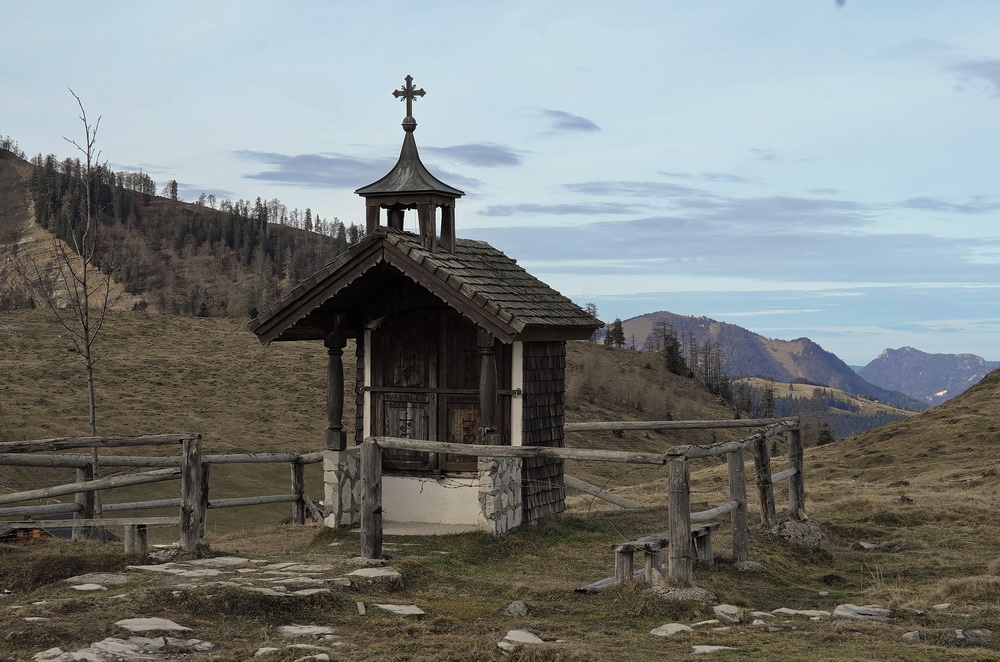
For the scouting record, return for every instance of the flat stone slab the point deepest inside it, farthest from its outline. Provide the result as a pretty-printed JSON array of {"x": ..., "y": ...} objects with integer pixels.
[
  {"x": 705, "y": 650},
  {"x": 113, "y": 579},
  {"x": 515, "y": 639},
  {"x": 671, "y": 630},
  {"x": 151, "y": 625},
  {"x": 310, "y": 569},
  {"x": 384, "y": 572},
  {"x": 808, "y": 613},
  {"x": 402, "y": 610},
  {"x": 179, "y": 569},
  {"x": 865, "y": 613},
  {"x": 88, "y": 587},
  {"x": 219, "y": 562},
  {"x": 315, "y": 631}
]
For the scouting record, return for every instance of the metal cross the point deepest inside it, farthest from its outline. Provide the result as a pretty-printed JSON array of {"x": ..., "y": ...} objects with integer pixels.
[{"x": 408, "y": 92}]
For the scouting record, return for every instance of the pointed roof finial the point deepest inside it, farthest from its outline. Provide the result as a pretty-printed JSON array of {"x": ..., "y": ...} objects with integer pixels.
[{"x": 409, "y": 92}]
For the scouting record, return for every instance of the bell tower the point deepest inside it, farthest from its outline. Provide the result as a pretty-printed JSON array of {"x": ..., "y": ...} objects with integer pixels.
[{"x": 410, "y": 186}]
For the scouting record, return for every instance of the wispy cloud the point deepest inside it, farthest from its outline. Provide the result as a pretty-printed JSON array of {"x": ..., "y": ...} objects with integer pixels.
[
  {"x": 564, "y": 209},
  {"x": 561, "y": 121},
  {"x": 764, "y": 154},
  {"x": 977, "y": 205},
  {"x": 723, "y": 177},
  {"x": 635, "y": 188},
  {"x": 485, "y": 155},
  {"x": 982, "y": 74},
  {"x": 332, "y": 170}
]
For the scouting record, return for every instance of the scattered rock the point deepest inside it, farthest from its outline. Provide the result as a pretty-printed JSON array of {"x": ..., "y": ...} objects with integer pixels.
[
  {"x": 99, "y": 578},
  {"x": 88, "y": 587},
  {"x": 804, "y": 533},
  {"x": 36, "y": 619},
  {"x": 808, "y": 613},
  {"x": 266, "y": 650},
  {"x": 133, "y": 648},
  {"x": 150, "y": 625},
  {"x": 314, "y": 631},
  {"x": 865, "y": 613},
  {"x": 402, "y": 610},
  {"x": 979, "y": 633},
  {"x": 685, "y": 593},
  {"x": 941, "y": 606},
  {"x": 867, "y": 546},
  {"x": 961, "y": 637},
  {"x": 711, "y": 621},
  {"x": 704, "y": 650},
  {"x": 386, "y": 576},
  {"x": 671, "y": 630},
  {"x": 515, "y": 639},
  {"x": 762, "y": 614},
  {"x": 517, "y": 608},
  {"x": 219, "y": 562},
  {"x": 911, "y": 637},
  {"x": 728, "y": 613},
  {"x": 749, "y": 566}
]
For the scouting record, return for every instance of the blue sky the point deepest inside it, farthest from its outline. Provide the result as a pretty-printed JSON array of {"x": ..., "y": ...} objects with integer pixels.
[{"x": 797, "y": 167}]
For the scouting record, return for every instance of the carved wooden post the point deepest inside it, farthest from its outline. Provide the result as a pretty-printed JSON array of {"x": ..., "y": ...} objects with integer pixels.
[
  {"x": 334, "y": 340},
  {"x": 796, "y": 483},
  {"x": 448, "y": 228},
  {"x": 299, "y": 490},
  {"x": 85, "y": 500},
  {"x": 487, "y": 389},
  {"x": 765, "y": 489},
  {"x": 372, "y": 212},
  {"x": 371, "y": 500},
  {"x": 679, "y": 512},
  {"x": 738, "y": 493},
  {"x": 425, "y": 218},
  {"x": 191, "y": 515}
]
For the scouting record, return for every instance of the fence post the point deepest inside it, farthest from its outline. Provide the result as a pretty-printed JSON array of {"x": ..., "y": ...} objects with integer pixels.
[
  {"x": 738, "y": 493},
  {"x": 299, "y": 490},
  {"x": 765, "y": 489},
  {"x": 191, "y": 515},
  {"x": 371, "y": 500},
  {"x": 206, "y": 470},
  {"x": 796, "y": 483},
  {"x": 86, "y": 501},
  {"x": 680, "y": 563}
]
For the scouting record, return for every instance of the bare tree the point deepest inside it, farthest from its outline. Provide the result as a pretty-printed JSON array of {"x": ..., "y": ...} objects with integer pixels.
[{"x": 90, "y": 288}]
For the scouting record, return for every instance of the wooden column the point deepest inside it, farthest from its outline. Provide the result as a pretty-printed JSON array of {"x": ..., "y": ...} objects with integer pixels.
[
  {"x": 372, "y": 213},
  {"x": 448, "y": 229},
  {"x": 85, "y": 500},
  {"x": 206, "y": 470},
  {"x": 796, "y": 482},
  {"x": 359, "y": 397},
  {"x": 299, "y": 490},
  {"x": 738, "y": 493},
  {"x": 191, "y": 515},
  {"x": 680, "y": 562},
  {"x": 396, "y": 215},
  {"x": 487, "y": 390},
  {"x": 334, "y": 340},
  {"x": 425, "y": 217},
  {"x": 765, "y": 489},
  {"x": 371, "y": 500}
]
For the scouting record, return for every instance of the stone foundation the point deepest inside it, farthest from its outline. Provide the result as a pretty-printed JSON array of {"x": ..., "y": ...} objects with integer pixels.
[
  {"x": 500, "y": 493},
  {"x": 342, "y": 495}
]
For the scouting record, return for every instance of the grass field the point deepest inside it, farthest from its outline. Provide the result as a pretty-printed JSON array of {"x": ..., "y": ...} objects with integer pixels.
[{"x": 923, "y": 491}]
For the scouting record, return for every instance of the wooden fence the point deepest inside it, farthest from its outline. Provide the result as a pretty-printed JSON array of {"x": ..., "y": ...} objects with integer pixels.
[
  {"x": 678, "y": 471},
  {"x": 191, "y": 467}
]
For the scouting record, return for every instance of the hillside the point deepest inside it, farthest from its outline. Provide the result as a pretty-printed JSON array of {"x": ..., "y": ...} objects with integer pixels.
[
  {"x": 208, "y": 258},
  {"x": 920, "y": 494},
  {"x": 747, "y": 354},
  {"x": 932, "y": 378}
]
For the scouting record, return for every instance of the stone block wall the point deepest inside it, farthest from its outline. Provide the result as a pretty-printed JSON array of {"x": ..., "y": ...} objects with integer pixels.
[
  {"x": 342, "y": 494},
  {"x": 500, "y": 493}
]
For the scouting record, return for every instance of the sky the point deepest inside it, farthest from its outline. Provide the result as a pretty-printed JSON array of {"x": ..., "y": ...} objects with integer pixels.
[{"x": 802, "y": 168}]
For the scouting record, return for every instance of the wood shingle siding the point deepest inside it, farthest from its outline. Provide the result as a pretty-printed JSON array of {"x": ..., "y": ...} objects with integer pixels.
[{"x": 543, "y": 491}]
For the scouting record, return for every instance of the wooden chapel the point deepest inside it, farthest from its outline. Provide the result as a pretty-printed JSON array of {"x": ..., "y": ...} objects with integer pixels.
[{"x": 454, "y": 342}]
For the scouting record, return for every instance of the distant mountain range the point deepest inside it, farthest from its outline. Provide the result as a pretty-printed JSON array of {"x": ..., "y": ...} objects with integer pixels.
[
  {"x": 747, "y": 354},
  {"x": 932, "y": 378}
]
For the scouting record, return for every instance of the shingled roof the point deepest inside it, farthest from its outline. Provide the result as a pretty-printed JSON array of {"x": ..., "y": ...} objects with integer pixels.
[{"x": 477, "y": 280}]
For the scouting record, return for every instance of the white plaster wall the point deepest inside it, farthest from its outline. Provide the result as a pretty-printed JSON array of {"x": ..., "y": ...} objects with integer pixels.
[
  {"x": 446, "y": 501},
  {"x": 516, "y": 401}
]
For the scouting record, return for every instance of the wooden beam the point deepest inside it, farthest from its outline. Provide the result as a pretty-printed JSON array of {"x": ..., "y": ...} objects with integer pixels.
[
  {"x": 593, "y": 490},
  {"x": 796, "y": 482},
  {"x": 335, "y": 340},
  {"x": 520, "y": 451},
  {"x": 191, "y": 513},
  {"x": 92, "y": 442},
  {"x": 676, "y": 425},
  {"x": 100, "y": 484},
  {"x": 738, "y": 493},
  {"x": 680, "y": 562},
  {"x": 104, "y": 521},
  {"x": 765, "y": 488}
]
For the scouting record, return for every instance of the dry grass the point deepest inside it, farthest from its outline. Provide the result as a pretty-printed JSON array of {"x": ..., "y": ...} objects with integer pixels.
[{"x": 938, "y": 544}]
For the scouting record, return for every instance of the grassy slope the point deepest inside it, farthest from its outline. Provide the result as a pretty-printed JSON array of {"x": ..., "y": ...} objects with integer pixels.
[{"x": 163, "y": 374}]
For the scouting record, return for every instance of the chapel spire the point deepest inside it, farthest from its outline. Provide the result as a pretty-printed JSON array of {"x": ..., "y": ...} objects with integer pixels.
[{"x": 409, "y": 185}]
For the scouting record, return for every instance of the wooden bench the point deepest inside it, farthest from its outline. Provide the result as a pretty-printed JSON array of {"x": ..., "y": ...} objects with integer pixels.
[{"x": 653, "y": 546}]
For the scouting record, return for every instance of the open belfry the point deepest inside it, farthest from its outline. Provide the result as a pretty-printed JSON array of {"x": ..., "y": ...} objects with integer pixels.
[{"x": 454, "y": 342}]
